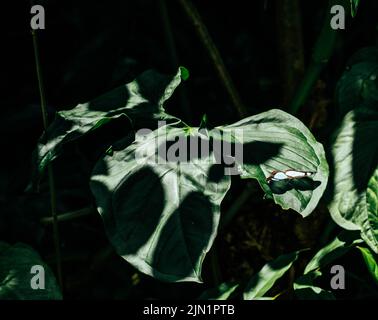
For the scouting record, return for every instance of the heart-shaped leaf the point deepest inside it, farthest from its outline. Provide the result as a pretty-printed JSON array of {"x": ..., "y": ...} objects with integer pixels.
[
  {"x": 161, "y": 214},
  {"x": 184, "y": 194}
]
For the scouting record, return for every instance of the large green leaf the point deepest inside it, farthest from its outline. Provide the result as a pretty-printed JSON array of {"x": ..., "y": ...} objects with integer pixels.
[
  {"x": 262, "y": 281},
  {"x": 15, "y": 275},
  {"x": 332, "y": 251},
  {"x": 140, "y": 101},
  {"x": 184, "y": 196},
  {"x": 161, "y": 216},
  {"x": 355, "y": 152},
  {"x": 276, "y": 140}
]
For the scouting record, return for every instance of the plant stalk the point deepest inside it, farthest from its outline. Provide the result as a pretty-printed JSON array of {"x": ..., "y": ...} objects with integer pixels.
[
  {"x": 50, "y": 168},
  {"x": 70, "y": 215}
]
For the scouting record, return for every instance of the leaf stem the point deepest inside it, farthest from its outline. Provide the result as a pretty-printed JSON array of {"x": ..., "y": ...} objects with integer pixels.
[{"x": 50, "y": 168}]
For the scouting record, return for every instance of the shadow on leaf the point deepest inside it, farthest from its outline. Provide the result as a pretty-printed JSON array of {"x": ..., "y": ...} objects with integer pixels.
[{"x": 185, "y": 237}]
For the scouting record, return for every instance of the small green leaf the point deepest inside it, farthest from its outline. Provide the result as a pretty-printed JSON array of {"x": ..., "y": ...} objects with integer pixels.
[
  {"x": 306, "y": 290},
  {"x": 15, "y": 275},
  {"x": 184, "y": 73},
  {"x": 222, "y": 292},
  {"x": 264, "y": 280},
  {"x": 370, "y": 262},
  {"x": 334, "y": 250},
  {"x": 203, "y": 123},
  {"x": 109, "y": 151},
  {"x": 353, "y": 7}
]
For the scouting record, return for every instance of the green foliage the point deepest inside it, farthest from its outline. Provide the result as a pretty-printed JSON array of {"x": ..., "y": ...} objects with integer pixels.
[
  {"x": 370, "y": 261},
  {"x": 184, "y": 73},
  {"x": 140, "y": 101},
  {"x": 304, "y": 286},
  {"x": 354, "y": 205},
  {"x": 162, "y": 218},
  {"x": 222, "y": 292},
  {"x": 15, "y": 278},
  {"x": 262, "y": 281},
  {"x": 355, "y": 148},
  {"x": 275, "y": 140},
  {"x": 358, "y": 85},
  {"x": 354, "y": 6},
  {"x": 335, "y": 249},
  {"x": 306, "y": 290}
]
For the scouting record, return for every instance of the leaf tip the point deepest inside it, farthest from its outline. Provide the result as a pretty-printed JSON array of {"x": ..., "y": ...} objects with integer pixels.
[{"x": 184, "y": 73}]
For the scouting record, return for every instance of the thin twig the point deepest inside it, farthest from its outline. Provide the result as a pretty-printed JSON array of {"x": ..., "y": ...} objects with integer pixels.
[
  {"x": 50, "y": 168},
  {"x": 215, "y": 56},
  {"x": 69, "y": 215}
]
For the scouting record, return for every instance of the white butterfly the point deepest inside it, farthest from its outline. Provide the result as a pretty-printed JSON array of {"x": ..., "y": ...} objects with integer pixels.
[{"x": 288, "y": 175}]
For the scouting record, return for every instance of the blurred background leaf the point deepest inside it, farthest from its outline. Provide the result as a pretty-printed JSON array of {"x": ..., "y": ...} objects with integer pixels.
[{"x": 16, "y": 263}]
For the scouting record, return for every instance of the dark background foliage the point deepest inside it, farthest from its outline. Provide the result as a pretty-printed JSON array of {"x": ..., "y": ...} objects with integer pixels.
[{"x": 91, "y": 47}]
